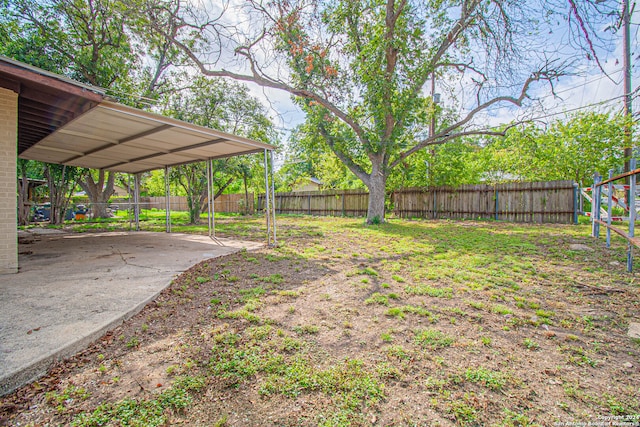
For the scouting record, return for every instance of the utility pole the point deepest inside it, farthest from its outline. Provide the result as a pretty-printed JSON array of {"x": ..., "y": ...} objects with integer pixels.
[
  {"x": 626, "y": 62},
  {"x": 626, "y": 45}
]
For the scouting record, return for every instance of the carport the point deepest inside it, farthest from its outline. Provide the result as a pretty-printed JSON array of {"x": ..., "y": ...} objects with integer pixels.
[
  {"x": 50, "y": 118},
  {"x": 73, "y": 287}
]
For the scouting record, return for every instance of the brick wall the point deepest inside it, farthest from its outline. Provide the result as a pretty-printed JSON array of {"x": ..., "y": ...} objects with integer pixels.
[{"x": 8, "y": 212}]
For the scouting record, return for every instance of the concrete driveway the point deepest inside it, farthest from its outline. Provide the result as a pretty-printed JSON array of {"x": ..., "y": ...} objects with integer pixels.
[{"x": 72, "y": 288}]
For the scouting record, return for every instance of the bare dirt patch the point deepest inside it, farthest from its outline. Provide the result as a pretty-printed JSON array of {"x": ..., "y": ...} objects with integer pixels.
[{"x": 408, "y": 323}]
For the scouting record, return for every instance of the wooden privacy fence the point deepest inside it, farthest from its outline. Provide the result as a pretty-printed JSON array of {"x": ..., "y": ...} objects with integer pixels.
[
  {"x": 542, "y": 202},
  {"x": 224, "y": 203},
  {"x": 322, "y": 203}
]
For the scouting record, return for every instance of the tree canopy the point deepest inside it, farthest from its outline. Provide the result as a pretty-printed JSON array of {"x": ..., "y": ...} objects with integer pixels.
[{"x": 361, "y": 70}]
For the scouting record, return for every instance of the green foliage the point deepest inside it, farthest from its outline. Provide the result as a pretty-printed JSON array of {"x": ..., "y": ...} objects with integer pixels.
[
  {"x": 573, "y": 149},
  {"x": 430, "y": 291},
  {"x": 491, "y": 379},
  {"x": 132, "y": 412},
  {"x": 433, "y": 339}
]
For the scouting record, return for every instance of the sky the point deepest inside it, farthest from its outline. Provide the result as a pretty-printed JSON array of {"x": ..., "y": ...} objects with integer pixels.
[{"x": 589, "y": 88}]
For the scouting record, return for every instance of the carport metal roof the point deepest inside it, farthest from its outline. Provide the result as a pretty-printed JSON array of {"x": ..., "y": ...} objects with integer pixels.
[
  {"x": 123, "y": 139},
  {"x": 63, "y": 121}
]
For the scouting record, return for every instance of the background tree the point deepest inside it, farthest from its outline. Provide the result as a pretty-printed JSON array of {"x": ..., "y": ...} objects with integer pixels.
[
  {"x": 62, "y": 180},
  {"x": 99, "y": 42},
  {"x": 572, "y": 149},
  {"x": 360, "y": 69},
  {"x": 224, "y": 106}
]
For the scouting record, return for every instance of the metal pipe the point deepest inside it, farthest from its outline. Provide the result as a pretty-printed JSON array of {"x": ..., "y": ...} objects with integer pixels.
[
  {"x": 209, "y": 197},
  {"x": 136, "y": 200},
  {"x": 273, "y": 200},
  {"x": 266, "y": 195},
  {"x": 167, "y": 192},
  {"x": 609, "y": 207},
  {"x": 212, "y": 204}
]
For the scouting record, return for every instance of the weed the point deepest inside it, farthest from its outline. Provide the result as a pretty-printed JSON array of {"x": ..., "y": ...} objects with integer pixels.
[
  {"x": 432, "y": 338},
  {"x": 386, "y": 371},
  {"x": 530, "y": 344},
  {"x": 290, "y": 344},
  {"x": 133, "y": 342},
  {"x": 478, "y": 305},
  {"x": 514, "y": 419},
  {"x": 544, "y": 314},
  {"x": 132, "y": 412},
  {"x": 67, "y": 397},
  {"x": 202, "y": 280},
  {"x": 398, "y": 279},
  {"x": 578, "y": 356},
  {"x": 462, "y": 411},
  {"x": 377, "y": 298},
  {"x": 222, "y": 422},
  {"x": 306, "y": 329},
  {"x": 486, "y": 341},
  {"x": 287, "y": 293},
  {"x": 387, "y": 336},
  {"x": 491, "y": 379},
  {"x": 501, "y": 309},
  {"x": 430, "y": 291},
  {"x": 397, "y": 352},
  {"x": 400, "y": 312}
]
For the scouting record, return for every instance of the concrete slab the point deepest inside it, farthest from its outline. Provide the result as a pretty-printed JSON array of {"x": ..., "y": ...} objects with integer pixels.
[{"x": 73, "y": 287}]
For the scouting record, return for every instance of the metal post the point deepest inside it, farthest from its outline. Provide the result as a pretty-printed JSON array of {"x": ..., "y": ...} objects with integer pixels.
[
  {"x": 266, "y": 195},
  {"x": 212, "y": 202},
  {"x": 167, "y": 191},
  {"x": 136, "y": 200},
  {"x": 576, "y": 194},
  {"x": 131, "y": 207},
  {"x": 209, "y": 184},
  {"x": 273, "y": 200},
  {"x": 597, "y": 201},
  {"x": 609, "y": 207},
  {"x": 632, "y": 201}
]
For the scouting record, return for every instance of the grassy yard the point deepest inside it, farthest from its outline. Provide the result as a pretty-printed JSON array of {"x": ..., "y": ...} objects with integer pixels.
[{"x": 401, "y": 324}]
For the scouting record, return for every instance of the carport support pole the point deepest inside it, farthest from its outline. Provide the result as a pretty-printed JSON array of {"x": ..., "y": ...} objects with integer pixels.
[
  {"x": 210, "y": 200},
  {"x": 273, "y": 200},
  {"x": 136, "y": 200},
  {"x": 609, "y": 207},
  {"x": 167, "y": 192},
  {"x": 266, "y": 196}
]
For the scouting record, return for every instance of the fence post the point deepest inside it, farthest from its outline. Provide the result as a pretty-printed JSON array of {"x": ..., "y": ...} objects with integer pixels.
[
  {"x": 497, "y": 205},
  {"x": 609, "y": 207},
  {"x": 575, "y": 202},
  {"x": 632, "y": 214},
  {"x": 435, "y": 203},
  {"x": 594, "y": 194}
]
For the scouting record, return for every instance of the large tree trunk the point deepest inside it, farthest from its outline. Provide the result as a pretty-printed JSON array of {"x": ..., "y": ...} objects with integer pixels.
[
  {"x": 99, "y": 193},
  {"x": 60, "y": 182},
  {"x": 376, "y": 185}
]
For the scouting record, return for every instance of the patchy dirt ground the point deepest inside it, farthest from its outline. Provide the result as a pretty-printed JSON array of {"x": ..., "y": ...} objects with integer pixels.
[{"x": 408, "y": 323}]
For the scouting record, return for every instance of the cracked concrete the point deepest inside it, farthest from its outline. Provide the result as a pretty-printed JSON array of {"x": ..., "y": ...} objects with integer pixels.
[{"x": 73, "y": 287}]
